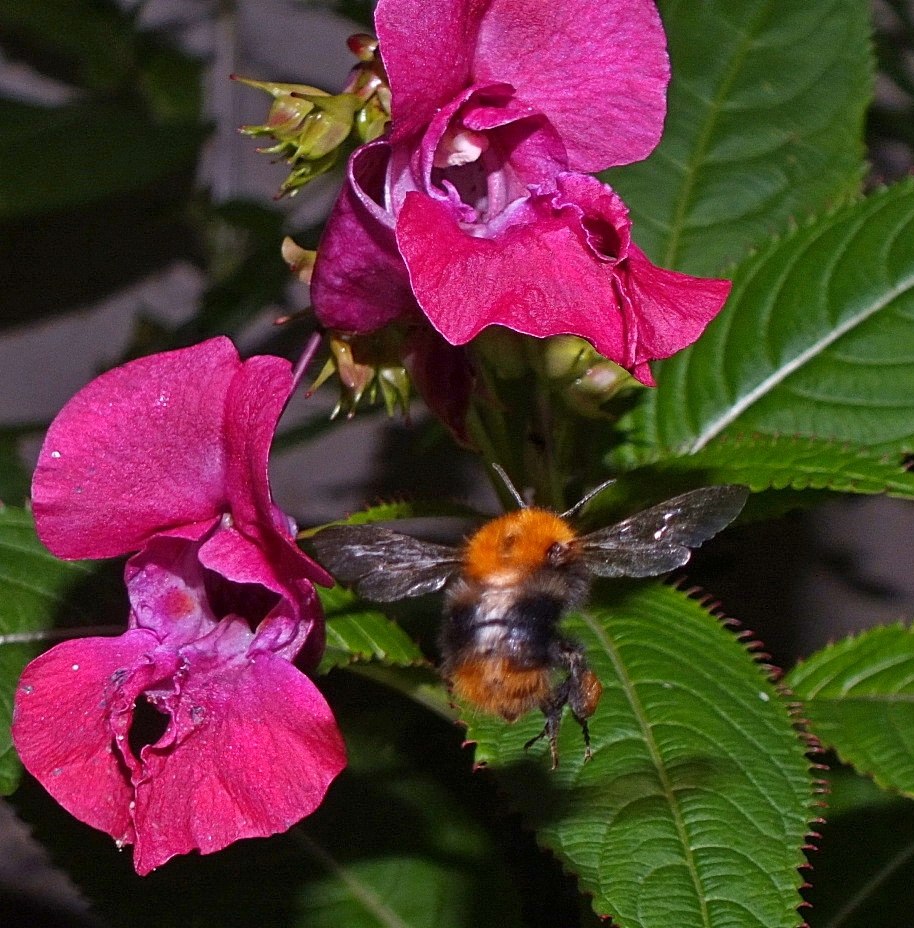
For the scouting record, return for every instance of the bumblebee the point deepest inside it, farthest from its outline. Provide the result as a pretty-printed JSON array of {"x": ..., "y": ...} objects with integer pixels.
[{"x": 511, "y": 582}]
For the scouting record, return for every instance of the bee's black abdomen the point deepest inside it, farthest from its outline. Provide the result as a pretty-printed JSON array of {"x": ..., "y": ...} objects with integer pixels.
[{"x": 505, "y": 623}]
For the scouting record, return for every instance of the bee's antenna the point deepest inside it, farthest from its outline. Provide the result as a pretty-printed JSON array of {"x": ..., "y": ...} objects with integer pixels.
[
  {"x": 587, "y": 497},
  {"x": 506, "y": 480}
]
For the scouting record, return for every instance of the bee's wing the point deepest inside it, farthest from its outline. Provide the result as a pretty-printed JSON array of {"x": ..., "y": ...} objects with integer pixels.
[
  {"x": 661, "y": 538},
  {"x": 383, "y": 565}
]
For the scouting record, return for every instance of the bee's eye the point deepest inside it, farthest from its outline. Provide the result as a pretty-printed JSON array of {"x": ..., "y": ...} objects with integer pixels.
[{"x": 556, "y": 554}]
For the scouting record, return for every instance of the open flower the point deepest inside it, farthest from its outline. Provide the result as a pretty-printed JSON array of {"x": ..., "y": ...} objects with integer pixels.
[
  {"x": 474, "y": 210},
  {"x": 168, "y": 455}
]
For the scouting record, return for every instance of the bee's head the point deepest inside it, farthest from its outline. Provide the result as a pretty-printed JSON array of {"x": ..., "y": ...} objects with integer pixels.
[{"x": 509, "y": 548}]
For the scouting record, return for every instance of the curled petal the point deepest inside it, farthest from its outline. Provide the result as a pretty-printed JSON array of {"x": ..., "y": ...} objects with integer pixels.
[
  {"x": 256, "y": 399},
  {"x": 136, "y": 451},
  {"x": 674, "y": 308},
  {"x": 359, "y": 282},
  {"x": 256, "y": 748},
  {"x": 62, "y": 727},
  {"x": 563, "y": 264}
]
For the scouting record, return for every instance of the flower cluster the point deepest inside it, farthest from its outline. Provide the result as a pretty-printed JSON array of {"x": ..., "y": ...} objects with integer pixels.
[
  {"x": 167, "y": 456},
  {"x": 468, "y": 202},
  {"x": 476, "y": 208}
]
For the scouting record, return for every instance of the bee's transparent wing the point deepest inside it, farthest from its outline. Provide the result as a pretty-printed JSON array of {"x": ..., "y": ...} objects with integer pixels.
[
  {"x": 661, "y": 538},
  {"x": 382, "y": 565}
]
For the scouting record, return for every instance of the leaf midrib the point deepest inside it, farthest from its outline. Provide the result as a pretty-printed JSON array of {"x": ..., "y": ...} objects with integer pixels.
[
  {"x": 361, "y": 891},
  {"x": 666, "y": 784},
  {"x": 778, "y": 376},
  {"x": 697, "y": 155}
]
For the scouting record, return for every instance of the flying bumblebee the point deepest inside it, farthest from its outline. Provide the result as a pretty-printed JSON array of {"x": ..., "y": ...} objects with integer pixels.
[{"x": 511, "y": 582}]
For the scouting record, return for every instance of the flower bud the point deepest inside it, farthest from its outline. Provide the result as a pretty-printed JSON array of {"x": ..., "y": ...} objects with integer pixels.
[
  {"x": 300, "y": 260},
  {"x": 314, "y": 130},
  {"x": 585, "y": 379},
  {"x": 369, "y": 366}
]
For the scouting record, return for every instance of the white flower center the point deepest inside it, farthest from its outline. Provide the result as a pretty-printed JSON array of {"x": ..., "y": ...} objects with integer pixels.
[{"x": 458, "y": 147}]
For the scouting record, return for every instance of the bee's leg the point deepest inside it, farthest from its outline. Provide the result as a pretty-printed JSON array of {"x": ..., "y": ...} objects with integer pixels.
[
  {"x": 582, "y": 688},
  {"x": 552, "y": 709}
]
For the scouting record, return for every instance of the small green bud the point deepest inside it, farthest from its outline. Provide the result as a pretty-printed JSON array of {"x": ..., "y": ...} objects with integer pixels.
[
  {"x": 314, "y": 130},
  {"x": 368, "y": 366}
]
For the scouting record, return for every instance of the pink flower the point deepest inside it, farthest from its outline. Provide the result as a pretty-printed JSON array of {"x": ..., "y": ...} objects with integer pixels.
[
  {"x": 474, "y": 210},
  {"x": 168, "y": 455}
]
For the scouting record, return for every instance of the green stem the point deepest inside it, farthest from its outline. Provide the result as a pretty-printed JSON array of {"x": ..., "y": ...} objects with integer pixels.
[
  {"x": 480, "y": 435},
  {"x": 550, "y": 482}
]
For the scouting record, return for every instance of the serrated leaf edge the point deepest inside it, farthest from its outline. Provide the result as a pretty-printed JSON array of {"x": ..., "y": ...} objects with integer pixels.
[{"x": 771, "y": 674}]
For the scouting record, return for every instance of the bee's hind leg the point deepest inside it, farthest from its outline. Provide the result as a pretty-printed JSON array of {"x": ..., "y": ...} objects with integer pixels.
[
  {"x": 582, "y": 688},
  {"x": 552, "y": 710},
  {"x": 580, "y": 691}
]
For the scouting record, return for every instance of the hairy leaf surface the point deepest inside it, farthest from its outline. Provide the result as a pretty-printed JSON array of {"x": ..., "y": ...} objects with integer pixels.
[
  {"x": 761, "y": 462},
  {"x": 358, "y": 633},
  {"x": 694, "y": 807}
]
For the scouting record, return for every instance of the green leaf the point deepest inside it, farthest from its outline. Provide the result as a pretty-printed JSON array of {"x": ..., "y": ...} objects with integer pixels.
[
  {"x": 761, "y": 462},
  {"x": 765, "y": 125},
  {"x": 33, "y": 587},
  {"x": 815, "y": 340},
  {"x": 694, "y": 807},
  {"x": 859, "y": 697},
  {"x": 398, "y": 510},
  {"x": 358, "y": 633}
]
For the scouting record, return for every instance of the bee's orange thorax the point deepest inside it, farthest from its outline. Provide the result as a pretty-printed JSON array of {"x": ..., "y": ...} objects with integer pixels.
[
  {"x": 498, "y": 686},
  {"x": 511, "y": 546}
]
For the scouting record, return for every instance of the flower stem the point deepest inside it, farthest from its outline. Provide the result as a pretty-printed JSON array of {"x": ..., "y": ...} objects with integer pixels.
[{"x": 488, "y": 443}]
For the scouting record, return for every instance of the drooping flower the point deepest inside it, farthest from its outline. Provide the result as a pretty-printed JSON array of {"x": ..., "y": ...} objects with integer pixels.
[
  {"x": 167, "y": 455},
  {"x": 474, "y": 210}
]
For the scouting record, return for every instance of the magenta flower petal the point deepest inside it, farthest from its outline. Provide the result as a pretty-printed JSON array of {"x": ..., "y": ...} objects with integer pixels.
[
  {"x": 562, "y": 265},
  {"x": 249, "y": 745},
  {"x": 597, "y": 71},
  {"x": 221, "y": 602},
  {"x": 62, "y": 729},
  {"x": 255, "y": 749},
  {"x": 137, "y": 450},
  {"x": 359, "y": 282},
  {"x": 256, "y": 400},
  {"x": 164, "y": 443},
  {"x": 427, "y": 49},
  {"x": 674, "y": 308}
]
